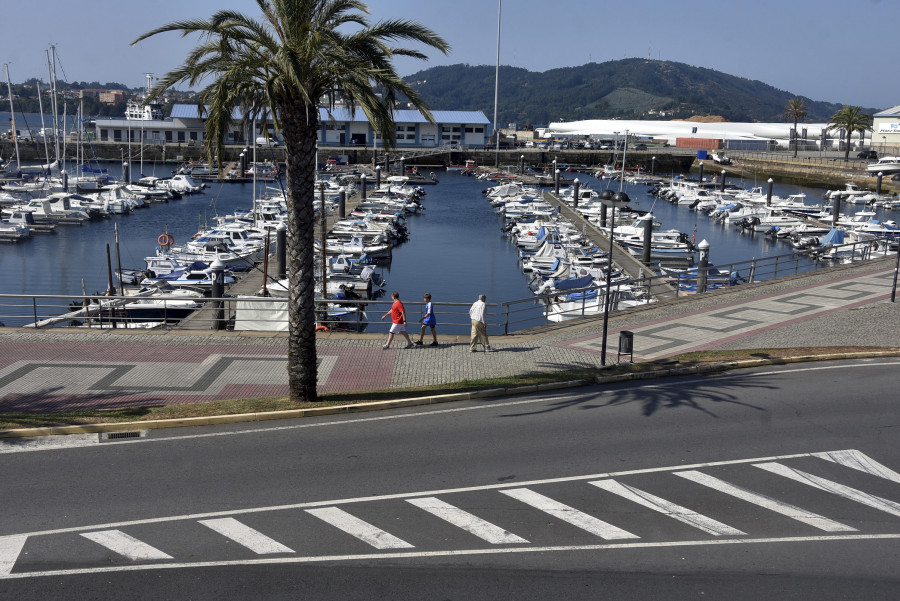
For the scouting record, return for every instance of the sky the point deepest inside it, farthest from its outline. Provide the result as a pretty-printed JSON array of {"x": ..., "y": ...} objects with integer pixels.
[{"x": 828, "y": 50}]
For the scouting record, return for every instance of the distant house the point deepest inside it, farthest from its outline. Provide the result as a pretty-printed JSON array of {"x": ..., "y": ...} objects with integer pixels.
[{"x": 337, "y": 128}]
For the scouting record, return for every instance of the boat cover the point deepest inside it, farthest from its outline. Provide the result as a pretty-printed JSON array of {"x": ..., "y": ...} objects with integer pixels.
[
  {"x": 834, "y": 237},
  {"x": 574, "y": 283}
]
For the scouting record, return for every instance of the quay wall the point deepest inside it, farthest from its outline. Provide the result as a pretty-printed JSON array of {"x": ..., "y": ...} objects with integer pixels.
[{"x": 807, "y": 171}]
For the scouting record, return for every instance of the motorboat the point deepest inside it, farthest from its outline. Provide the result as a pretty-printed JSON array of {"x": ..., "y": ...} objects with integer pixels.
[{"x": 884, "y": 165}]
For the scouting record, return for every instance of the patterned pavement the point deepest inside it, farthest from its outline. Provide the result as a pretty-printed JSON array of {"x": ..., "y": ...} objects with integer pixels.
[{"x": 53, "y": 370}]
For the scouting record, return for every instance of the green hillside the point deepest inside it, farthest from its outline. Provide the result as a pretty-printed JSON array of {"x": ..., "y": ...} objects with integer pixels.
[{"x": 627, "y": 89}]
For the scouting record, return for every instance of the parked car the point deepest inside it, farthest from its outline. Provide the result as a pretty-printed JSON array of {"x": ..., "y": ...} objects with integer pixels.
[
  {"x": 640, "y": 147},
  {"x": 264, "y": 141},
  {"x": 720, "y": 159},
  {"x": 867, "y": 154}
]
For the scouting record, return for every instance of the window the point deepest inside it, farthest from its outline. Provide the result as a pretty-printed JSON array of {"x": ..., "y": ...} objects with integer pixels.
[
  {"x": 479, "y": 130},
  {"x": 181, "y": 136},
  {"x": 117, "y": 135},
  {"x": 104, "y": 135},
  {"x": 193, "y": 135},
  {"x": 168, "y": 136},
  {"x": 469, "y": 130},
  {"x": 455, "y": 130}
]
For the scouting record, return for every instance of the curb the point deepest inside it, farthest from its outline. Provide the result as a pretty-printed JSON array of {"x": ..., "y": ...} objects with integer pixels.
[{"x": 429, "y": 400}]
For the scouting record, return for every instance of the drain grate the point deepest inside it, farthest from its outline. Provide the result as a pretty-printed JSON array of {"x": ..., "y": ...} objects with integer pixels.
[{"x": 122, "y": 435}]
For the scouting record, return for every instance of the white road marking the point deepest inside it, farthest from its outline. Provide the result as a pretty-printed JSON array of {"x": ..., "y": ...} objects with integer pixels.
[
  {"x": 456, "y": 553},
  {"x": 807, "y": 517},
  {"x": 244, "y": 535},
  {"x": 682, "y": 514},
  {"x": 886, "y": 505},
  {"x": 860, "y": 461},
  {"x": 468, "y": 522},
  {"x": 568, "y": 514},
  {"x": 126, "y": 545},
  {"x": 406, "y": 495},
  {"x": 362, "y": 530},
  {"x": 10, "y": 547},
  {"x": 481, "y": 407}
]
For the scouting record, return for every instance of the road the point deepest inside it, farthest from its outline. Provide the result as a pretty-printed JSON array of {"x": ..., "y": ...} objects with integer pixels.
[{"x": 780, "y": 481}]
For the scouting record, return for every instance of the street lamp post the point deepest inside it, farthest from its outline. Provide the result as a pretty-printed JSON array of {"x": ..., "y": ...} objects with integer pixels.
[{"x": 617, "y": 201}]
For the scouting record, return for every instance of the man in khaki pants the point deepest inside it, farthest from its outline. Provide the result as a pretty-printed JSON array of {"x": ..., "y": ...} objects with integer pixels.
[{"x": 479, "y": 327}]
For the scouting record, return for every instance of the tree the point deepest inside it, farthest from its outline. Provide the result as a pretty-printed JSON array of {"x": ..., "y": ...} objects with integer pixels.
[
  {"x": 850, "y": 119},
  {"x": 796, "y": 111},
  {"x": 299, "y": 53}
]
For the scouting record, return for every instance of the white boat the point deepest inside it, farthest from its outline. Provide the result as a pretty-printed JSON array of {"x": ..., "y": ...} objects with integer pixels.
[{"x": 885, "y": 165}]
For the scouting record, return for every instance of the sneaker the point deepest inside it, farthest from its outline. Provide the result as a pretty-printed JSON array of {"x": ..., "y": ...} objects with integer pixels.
[
  {"x": 418, "y": 343},
  {"x": 432, "y": 344},
  {"x": 488, "y": 349},
  {"x": 385, "y": 347},
  {"x": 471, "y": 350},
  {"x": 410, "y": 345}
]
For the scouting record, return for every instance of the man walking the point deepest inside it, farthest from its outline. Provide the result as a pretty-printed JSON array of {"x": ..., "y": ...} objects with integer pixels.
[
  {"x": 398, "y": 321},
  {"x": 479, "y": 327}
]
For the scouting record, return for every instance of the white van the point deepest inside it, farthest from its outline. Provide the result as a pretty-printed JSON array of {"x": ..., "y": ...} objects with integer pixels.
[
  {"x": 263, "y": 141},
  {"x": 529, "y": 144}
]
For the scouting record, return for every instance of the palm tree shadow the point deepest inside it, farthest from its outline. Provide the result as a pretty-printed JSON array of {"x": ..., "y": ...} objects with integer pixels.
[{"x": 700, "y": 397}]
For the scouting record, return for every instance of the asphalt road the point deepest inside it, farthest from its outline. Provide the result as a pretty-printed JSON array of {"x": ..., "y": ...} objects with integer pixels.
[{"x": 773, "y": 482}]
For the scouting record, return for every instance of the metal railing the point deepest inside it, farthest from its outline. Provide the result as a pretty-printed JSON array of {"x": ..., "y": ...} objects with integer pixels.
[{"x": 270, "y": 314}]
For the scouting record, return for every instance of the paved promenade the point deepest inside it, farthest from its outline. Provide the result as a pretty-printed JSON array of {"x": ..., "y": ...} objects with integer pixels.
[{"x": 53, "y": 370}]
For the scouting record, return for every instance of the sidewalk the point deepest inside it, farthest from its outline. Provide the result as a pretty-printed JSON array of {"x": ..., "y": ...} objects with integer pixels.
[{"x": 55, "y": 370}]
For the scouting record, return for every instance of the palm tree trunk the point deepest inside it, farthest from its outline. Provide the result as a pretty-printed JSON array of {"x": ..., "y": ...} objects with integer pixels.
[
  {"x": 796, "y": 138},
  {"x": 300, "y": 123},
  {"x": 847, "y": 148}
]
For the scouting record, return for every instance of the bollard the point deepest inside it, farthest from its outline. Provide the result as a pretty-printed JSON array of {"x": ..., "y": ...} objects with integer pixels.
[
  {"x": 126, "y": 173},
  {"x": 217, "y": 274},
  {"x": 522, "y": 164},
  {"x": 701, "y": 172},
  {"x": 362, "y": 186},
  {"x": 835, "y": 210},
  {"x": 877, "y": 183},
  {"x": 722, "y": 182},
  {"x": 281, "y": 251},
  {"x": 377, "y": 177},
  {"x": 65, "y": 180},
  {"x": 576, "y": 185},
  {"x": 556, "y": 181},
  {"x": 648, "y": 235},
  {"x": 769, "y": 193},
  {"x": 342, "y": 204},
  {"x": 402, "y": 165},
  {"x": 653, "y": 166},
  {"x": 242, "y": 164},
  {"x": 703, "y": 247}
]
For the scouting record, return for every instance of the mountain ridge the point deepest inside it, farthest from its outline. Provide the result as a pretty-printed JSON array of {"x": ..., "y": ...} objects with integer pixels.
[{"x": 630, "y": 88}]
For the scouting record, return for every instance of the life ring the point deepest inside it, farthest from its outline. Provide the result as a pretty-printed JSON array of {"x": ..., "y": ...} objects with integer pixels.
[
  {"x": 165, "y": 240},
  {"x": 322, "y": 329}
]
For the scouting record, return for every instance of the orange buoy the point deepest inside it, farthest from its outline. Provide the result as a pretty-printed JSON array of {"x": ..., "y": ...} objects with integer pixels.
[{"x": 322, "y": 329}]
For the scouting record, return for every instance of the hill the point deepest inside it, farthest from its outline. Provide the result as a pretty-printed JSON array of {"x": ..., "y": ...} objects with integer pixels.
[{"x": 628, "y": 89}]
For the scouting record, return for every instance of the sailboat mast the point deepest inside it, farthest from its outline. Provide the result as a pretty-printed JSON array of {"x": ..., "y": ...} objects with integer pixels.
[
  {"x": 43, "y": 127},
  {"x": 52, "y": 66},
  {"x": 13, "y": 113}
]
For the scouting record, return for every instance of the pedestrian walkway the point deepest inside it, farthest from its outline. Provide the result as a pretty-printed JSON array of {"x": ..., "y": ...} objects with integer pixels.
[{"x": 55, "y": 370}]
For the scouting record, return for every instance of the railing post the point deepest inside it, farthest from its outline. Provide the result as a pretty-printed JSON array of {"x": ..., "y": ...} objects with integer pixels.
[
  {"x": 506, "y": 324},
  {"x": 775, "y": 275},
  {"x": 34, "y": 308}
]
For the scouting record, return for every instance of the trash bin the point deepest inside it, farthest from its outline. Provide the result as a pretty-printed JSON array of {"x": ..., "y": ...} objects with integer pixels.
[{"x": 626, "y": 345}]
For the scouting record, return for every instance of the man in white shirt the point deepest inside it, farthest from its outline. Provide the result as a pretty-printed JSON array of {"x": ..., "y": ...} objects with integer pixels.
[{"x": 479, "y": 327}]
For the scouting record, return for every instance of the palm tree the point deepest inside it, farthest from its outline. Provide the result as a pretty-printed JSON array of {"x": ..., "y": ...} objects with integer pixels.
[
  {"x": 796, "y": 111},
  {"x": 299, "y": 54},
  {"x": 850, "y": 119}
]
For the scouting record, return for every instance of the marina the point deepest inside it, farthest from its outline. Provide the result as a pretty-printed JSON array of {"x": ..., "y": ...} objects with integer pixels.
[{"x": 455, "y": 250}]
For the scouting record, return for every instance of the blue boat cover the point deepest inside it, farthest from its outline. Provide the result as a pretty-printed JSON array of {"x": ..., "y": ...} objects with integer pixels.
[
  {"x": 835, "y": 236},
  {"x": 574, "y": 283}
]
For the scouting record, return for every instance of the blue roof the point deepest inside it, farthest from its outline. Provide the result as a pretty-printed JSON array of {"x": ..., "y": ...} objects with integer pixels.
[{"x": 340, "y": 115}]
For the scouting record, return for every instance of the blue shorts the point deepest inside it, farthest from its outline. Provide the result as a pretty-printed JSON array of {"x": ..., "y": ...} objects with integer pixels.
[{"x": 430, "y": 321}]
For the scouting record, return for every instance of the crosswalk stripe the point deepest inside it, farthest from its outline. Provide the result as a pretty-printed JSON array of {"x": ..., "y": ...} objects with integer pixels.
[
  {"x": 860, "y": 461},
  {"x": 125, "y": 545},
  {"x": 468, "y": 522},
  {"x": 362, "y": 530},
  {"x": 244, "y": 535},
  {"x": 680, "y": 513},
  {"x": 807, "y": 517},
  {"x": 568, "y": 514},
  {"x": 886, "y": 505},
  {"x": 10, "y": 547}
]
